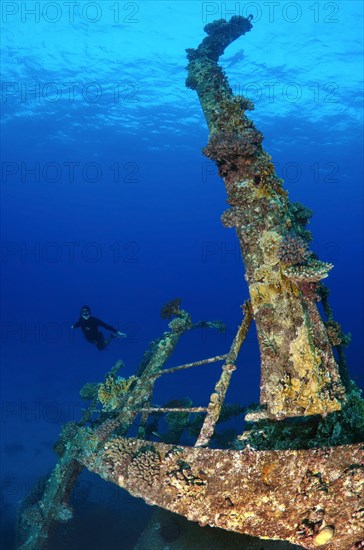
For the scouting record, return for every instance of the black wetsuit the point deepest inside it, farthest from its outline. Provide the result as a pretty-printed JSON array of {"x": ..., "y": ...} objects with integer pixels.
[{"x": 91, "y": 333}]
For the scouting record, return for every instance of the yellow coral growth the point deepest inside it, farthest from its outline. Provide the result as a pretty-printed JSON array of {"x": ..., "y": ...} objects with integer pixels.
[
  {"x": 113, "y": 391},
  {"x": 263, "y": 273},
  {"x": 302, "y": 355},
  {"x": 269, "y": 243},
  {"x": 304, "y": 387},
  {"x": 271, "y": 287},
  {"x": 261, "y": 294}
]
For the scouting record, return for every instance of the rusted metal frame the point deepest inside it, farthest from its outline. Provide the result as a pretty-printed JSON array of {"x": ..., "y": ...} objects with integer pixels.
[
  {"x": 153, "y": 378},
  {"x": 217, "y": 398},
  {"x": 194, "y": 364},
  {"x": 174, "y": 409},
  {"x": 145, "y": 385}
]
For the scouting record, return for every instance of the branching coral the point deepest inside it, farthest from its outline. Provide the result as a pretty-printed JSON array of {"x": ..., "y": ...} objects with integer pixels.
[
  {"x": 144, "y": 468},
  {"x": 300, "y": 213},
  {"x": 117, "y": 454},
  {"x": 232, "y": 217},
  {"x": 233, "y": 151},
  {"x": 298, "y": 218},
  {"x": 292, "y": 250}
]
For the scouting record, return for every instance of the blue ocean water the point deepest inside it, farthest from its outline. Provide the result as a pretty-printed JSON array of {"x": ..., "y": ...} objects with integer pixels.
[{"x": 108, "y": 201}]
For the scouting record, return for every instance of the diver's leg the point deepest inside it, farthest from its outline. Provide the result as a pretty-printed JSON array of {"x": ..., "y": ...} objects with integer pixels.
[{"x": 102, "y": 342}]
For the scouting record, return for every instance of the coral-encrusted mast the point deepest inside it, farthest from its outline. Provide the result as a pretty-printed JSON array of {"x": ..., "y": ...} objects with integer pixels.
[{"x": 299, "y": 374}]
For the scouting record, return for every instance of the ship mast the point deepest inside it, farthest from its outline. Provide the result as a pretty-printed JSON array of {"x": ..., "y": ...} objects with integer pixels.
[{"x": 299, "y": 373}]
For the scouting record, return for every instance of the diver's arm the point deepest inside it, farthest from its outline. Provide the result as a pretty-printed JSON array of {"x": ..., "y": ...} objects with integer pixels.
[
  {"x": 110, "y": 328},
  {"x": 106, "y": 326},
  {"x": 76, "y": 324}
]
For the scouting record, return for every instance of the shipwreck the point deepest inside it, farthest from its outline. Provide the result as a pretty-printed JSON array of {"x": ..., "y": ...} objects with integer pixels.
[{"x": 296, "y": 473}]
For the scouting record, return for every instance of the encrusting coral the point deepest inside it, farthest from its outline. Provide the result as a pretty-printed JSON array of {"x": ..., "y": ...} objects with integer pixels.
[{"x": 297, "y": 473}]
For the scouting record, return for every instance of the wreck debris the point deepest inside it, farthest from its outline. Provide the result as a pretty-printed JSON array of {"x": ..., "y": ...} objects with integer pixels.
[
  {"x": 303, "y": 496},
  {"x": 121, "y": 403}
]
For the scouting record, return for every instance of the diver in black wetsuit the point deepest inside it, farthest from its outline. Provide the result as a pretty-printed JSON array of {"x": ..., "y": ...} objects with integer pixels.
[{"x": 89, "y": 326}]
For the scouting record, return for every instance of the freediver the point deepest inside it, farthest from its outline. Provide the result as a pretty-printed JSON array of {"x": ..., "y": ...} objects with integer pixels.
[{"x": 90, "y": 325}]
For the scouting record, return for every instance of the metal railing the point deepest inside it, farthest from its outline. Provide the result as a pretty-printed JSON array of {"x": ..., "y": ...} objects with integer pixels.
[{"x": 217, "y": 398}]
